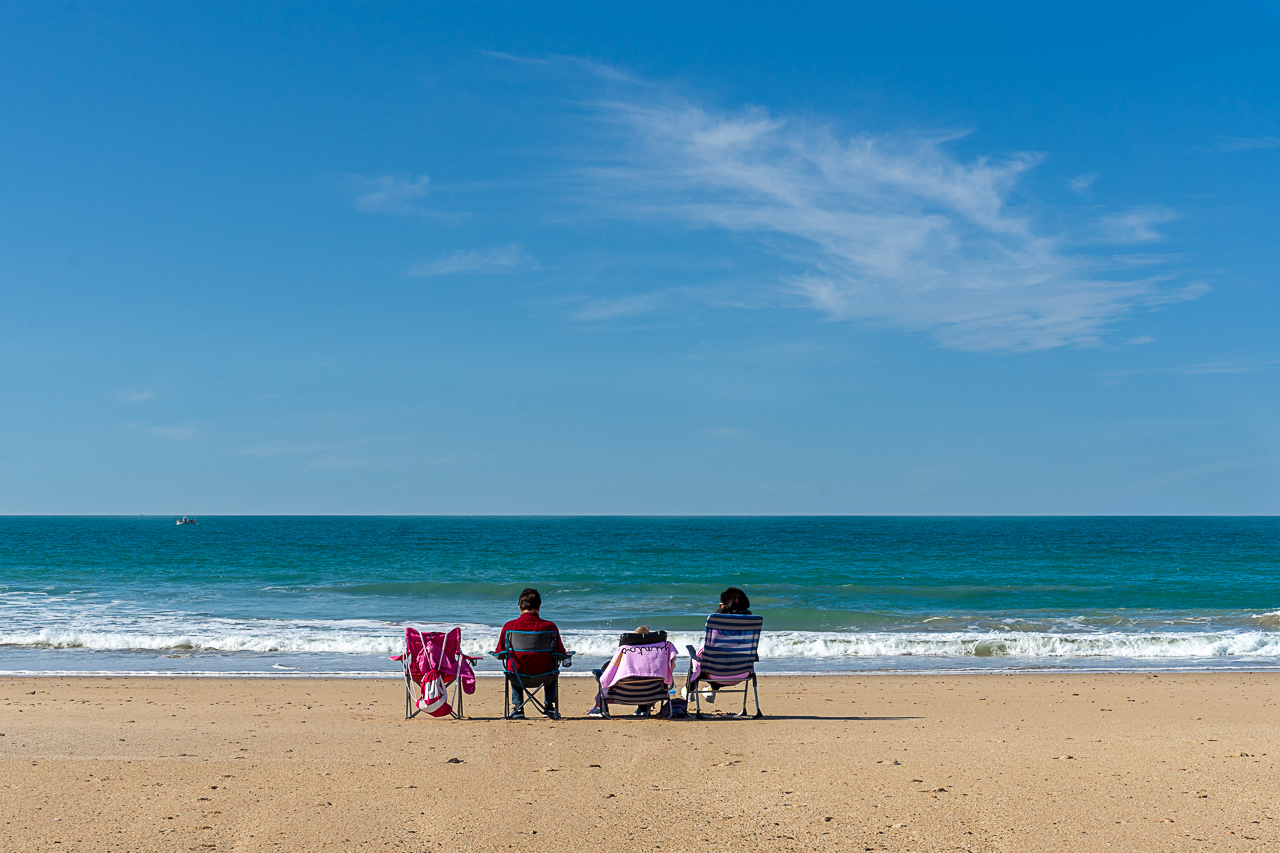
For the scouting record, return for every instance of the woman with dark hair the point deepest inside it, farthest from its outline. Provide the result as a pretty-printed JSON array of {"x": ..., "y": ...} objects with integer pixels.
[{"x": 732, "y": 601}]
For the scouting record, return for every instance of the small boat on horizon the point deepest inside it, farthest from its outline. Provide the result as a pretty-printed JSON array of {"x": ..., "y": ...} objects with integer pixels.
[{"x": 185, "y": 520}]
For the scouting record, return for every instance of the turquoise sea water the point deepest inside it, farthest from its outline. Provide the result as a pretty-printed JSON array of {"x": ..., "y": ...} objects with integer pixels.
[{"x": 327, "y": 594}]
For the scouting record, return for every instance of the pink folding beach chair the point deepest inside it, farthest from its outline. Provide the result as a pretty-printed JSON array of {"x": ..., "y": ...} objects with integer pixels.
[{"x": 433, "y": 662}]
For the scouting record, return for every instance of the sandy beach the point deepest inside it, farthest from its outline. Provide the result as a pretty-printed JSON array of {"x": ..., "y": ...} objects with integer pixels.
[{"x": 1027, "y": 762}]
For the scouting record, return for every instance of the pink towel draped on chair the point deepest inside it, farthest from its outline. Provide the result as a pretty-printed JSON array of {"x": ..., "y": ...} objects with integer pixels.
[{"x": 434, "y": 661}]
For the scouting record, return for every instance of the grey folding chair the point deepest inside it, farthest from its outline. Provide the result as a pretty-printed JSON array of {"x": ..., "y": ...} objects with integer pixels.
[{"x": 522, "y": 646}]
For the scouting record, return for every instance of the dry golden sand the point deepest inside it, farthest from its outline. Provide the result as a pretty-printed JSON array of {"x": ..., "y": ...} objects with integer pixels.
[{"x": 913, "y": 763}]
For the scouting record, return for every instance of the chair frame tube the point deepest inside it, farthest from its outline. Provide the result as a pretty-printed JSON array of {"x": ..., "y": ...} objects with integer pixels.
[
  {"x": 703, "y": 677},
  {"x": 529, "y": 696}
]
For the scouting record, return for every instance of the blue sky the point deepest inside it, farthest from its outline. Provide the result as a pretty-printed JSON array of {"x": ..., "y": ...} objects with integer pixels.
[{"x": 517, "y": 258}]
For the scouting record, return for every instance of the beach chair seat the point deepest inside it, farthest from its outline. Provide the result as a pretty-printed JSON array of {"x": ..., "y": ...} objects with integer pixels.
[
  {"x": 635, "y": 691},
  {"x": 433, "y": 663},
  {"x": 526, "y": 653},
  {"x": 728, "y": 657}
]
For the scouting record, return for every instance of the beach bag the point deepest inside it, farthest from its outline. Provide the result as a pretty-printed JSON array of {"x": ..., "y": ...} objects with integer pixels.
[
  {"x": 434, "y": 699},
  {"x": 679, "y": 708}
]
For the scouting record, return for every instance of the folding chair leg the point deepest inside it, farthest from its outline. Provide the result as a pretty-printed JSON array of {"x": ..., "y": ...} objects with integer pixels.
[
  {"x": 410, "y": 711},
  {"x": 457, "y": 698},
  {"x": 755, "y": 689},
  {"x": 529, "y": 698}
]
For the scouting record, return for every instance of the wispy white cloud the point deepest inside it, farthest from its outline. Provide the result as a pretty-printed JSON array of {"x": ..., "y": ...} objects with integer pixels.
[
  {"x": 134, "y": 395},
  {"x": 1225, "y": 365},
  {"x": 1081, "y": 183},
  {"x": 504, "y": 260},
  {"x": 183, "y": 432},
  {"x": 622, "y": 306},
  {"x": 270, "y": 450},
  {"x": 891, "y": 230},
  {"x": 519, "y": 60},
  {"x": 1249, "y": 143},
  {"x": 400, "y": 195},
  {"x": 391, "y": 194},
  {"x": 1134, "y": 226}
]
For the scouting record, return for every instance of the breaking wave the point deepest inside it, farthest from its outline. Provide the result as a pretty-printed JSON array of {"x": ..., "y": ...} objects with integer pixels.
[{"x": 361, "y": 637}]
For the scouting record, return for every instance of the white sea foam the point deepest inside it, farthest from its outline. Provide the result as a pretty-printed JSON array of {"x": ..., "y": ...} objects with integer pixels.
[
  {"x": 1022, "y": 644},
  {"x": 364, "y": 637},
  {"x": 39, "y": 621}
]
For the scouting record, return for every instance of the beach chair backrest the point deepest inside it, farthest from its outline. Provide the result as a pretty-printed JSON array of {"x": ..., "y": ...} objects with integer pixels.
[
  {"x": 532, "y": 641},
  {"x": 453, "y": 645},
  {"x": 647, "y": 639},
  {"x": 443, "y": 652},
  {"x": 525, "y": 645},
  {"x": 426, "y": 651},
  {"x": 731, "y": 644},
  {"x": 654, "y": 651},
  {"x": 414, "y": 654}
]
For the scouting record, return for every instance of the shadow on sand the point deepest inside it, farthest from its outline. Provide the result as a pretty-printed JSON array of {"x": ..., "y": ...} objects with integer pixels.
[{"x": 706, "y": 718}]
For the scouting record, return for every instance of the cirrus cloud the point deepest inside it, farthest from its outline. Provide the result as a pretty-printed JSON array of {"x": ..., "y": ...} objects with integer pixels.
[
  {"x": 391, "y": 193},
  {"x": 889, "y": 230},
  {"x": 504, "y": 260}
]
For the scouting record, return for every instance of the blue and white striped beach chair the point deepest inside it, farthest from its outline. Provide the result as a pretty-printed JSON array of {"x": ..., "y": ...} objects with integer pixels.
[{"x": 728, "y": 657}]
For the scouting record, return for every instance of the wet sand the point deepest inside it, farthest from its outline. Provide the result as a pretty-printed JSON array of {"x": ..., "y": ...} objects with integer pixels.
[{"x": 1027, "y": 762}]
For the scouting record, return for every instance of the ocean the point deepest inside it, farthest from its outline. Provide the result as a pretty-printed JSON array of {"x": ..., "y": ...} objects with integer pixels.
[{"x": 307, "y": 596}]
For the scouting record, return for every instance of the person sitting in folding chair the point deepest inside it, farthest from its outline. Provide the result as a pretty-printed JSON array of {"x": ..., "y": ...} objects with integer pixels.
[
  {"x": 531, "y": 653},
  {"x": 728, "y": 655},
  {"x": 641, "y": 673}
]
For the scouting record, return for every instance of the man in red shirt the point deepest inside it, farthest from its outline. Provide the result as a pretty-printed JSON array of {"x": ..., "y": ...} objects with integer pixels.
[{"x": 534, "y": 663}]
